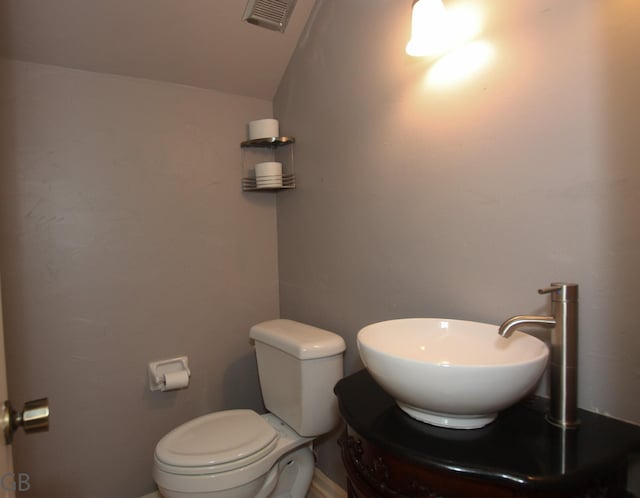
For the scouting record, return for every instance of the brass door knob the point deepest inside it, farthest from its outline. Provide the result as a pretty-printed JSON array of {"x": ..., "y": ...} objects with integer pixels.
[{"x": 34, "y": 417}]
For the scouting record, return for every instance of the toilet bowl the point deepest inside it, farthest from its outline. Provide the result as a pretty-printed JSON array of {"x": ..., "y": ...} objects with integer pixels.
[
  {"x": 241, "y": 454},
  {"x": 233, "y": 454}
]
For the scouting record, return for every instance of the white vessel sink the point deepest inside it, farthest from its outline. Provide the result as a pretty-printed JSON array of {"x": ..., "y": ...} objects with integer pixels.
[{"x": 451, "y": 373}]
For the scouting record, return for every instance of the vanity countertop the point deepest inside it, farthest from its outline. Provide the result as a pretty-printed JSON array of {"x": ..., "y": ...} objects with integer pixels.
[{"x": 519, "y": 448}]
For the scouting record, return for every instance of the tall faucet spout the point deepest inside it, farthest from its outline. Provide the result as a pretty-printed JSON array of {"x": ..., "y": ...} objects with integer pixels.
[
  {"x": 564, "y": 351},
  {"x": 511, "y": 324}
]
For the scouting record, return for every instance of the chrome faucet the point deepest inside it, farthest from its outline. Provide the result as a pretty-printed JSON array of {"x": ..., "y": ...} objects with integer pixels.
[{"x": 563, "y": 321}]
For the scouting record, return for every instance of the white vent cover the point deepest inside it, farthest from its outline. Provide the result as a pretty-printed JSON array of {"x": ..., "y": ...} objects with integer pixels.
[{"x": 270, "y": 14}]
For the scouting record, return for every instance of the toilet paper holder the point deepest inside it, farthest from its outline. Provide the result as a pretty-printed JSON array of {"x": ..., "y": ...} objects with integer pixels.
[{"x": 159, "y": 369}]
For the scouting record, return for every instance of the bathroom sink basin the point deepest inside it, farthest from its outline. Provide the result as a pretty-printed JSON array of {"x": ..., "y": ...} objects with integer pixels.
[{"x": 451, "y": 373}]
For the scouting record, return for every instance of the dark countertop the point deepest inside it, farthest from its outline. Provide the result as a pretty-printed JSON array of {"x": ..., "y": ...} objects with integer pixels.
[{"x": 520, "y": 447}]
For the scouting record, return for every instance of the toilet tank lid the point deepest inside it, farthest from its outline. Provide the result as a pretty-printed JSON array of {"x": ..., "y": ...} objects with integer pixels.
[{"x": 298, "y": 339}]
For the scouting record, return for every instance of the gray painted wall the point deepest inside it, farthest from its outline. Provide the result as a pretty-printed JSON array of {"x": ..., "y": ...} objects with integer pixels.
[
  {"x": 125, "y": 238},
  {"x": 462, "y": 200}
]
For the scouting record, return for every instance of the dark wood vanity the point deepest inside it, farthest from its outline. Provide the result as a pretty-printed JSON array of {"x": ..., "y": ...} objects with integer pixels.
[{"x": 388, "y": 454}]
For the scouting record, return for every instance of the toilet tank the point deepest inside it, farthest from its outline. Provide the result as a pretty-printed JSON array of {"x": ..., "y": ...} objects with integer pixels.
[{"x": 298, "y": 366}]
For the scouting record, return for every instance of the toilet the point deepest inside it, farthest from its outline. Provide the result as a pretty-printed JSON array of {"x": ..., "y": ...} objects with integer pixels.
[{"x": 241, "y": 454}]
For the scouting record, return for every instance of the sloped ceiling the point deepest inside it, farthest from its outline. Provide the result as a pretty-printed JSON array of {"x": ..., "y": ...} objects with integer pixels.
[{"x": 202, "y": 43}]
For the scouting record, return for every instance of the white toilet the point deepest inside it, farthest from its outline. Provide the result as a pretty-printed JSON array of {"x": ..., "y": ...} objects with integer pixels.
[{"x": 240, "y": 454}]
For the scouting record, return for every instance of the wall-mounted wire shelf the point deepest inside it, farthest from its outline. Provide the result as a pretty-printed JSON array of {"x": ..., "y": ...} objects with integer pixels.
[
  {"x": 269, "y": 146},
  {"x": 270, "y": 142},
  {"x": 288, "y": 181}
]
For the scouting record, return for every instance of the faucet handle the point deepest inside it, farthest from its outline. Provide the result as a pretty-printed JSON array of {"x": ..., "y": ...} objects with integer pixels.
[
  {"x": 549, "y": 290},
  {"x": 565, "y": 292}
]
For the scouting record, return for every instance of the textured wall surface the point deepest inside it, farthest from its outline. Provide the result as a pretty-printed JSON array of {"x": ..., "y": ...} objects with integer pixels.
[
  {"x": 420, "y": 194},
  {"x": 125, "y": 238}
]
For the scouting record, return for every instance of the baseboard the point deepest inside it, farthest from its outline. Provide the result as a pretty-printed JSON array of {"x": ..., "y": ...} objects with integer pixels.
[{"x": 323, "y": 487}]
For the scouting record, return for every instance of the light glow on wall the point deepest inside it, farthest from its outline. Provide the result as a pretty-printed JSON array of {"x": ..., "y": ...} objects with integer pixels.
[{"x": 460, "y": 64}]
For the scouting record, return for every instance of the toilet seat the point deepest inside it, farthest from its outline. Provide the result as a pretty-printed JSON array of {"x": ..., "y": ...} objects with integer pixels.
[
  {"x": 218, "y": 442},
  {"x": 206, "y": 479}
]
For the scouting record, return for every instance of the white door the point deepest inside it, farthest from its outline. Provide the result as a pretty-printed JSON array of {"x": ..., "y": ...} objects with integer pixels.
[
  {"x": 6, "y": 463},
  {"x": 34, "y": 417}
]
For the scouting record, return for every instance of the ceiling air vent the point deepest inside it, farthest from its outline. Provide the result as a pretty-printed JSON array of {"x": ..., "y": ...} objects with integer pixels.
[{"x": 270, "y": 14}]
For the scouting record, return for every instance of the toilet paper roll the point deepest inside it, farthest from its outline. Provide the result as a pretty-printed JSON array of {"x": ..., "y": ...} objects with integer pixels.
[
  {"x": 268, "y": 169},
  {"x": 264, "y": 128},
  {"x": 175, "y": 380},
  {"x": 268, "y": 174}
]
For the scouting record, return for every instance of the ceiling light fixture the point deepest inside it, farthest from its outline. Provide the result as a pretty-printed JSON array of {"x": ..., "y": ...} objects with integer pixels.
[{"x": 428, "y": 28}]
